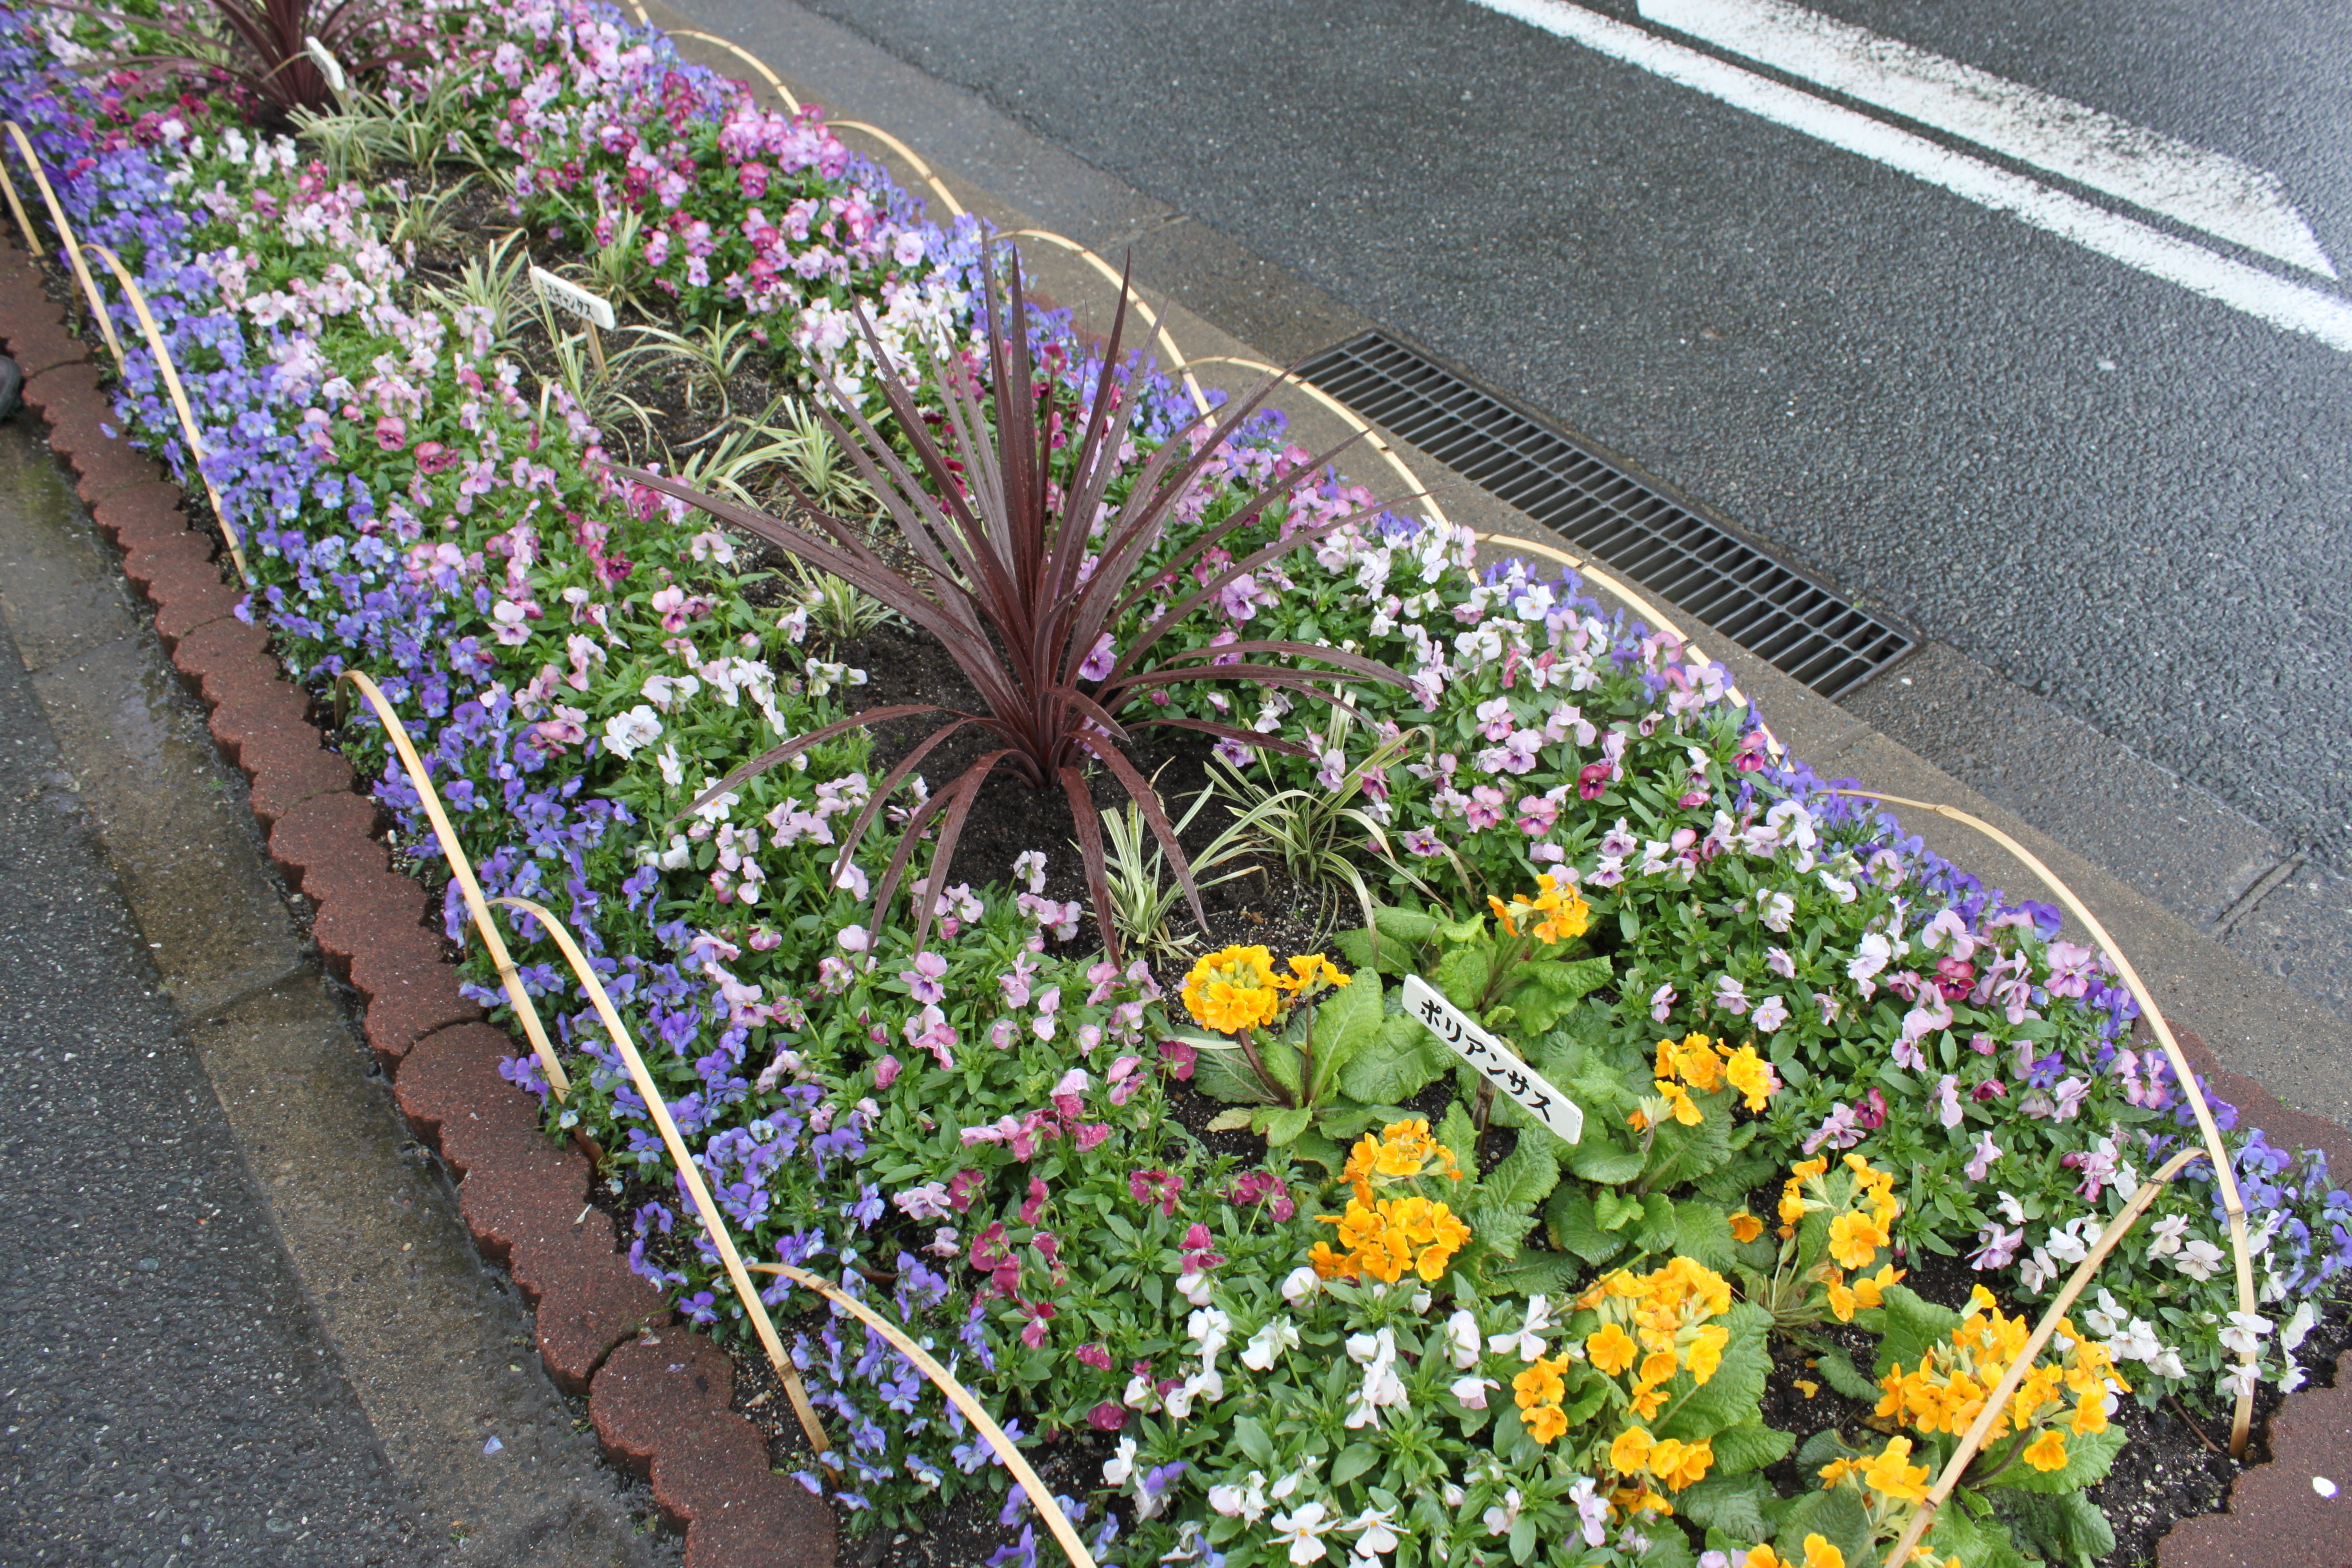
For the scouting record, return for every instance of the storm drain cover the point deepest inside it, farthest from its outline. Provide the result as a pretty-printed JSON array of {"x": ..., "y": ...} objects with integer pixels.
[{"x": 1769, "y": 607}]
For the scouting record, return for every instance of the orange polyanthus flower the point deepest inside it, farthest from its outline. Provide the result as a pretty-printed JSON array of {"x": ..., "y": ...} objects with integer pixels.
[
  {"x": 1686, "y": 1110},
  {"x": 1308, "y": 970},
  {"x": 1706, "y": 1352},
  {"x": 1693, "y": 1059},
  {"x": 1233, "y": 990},
  {"x": 1871, "y": 1291},
  {"x": 1566, "y": 915},
  {"x": 1854, "y": 1239},
  {"x": 1658, "y": 1366},
  {"x": 1544, "y": 1422},
  {"x": 1752, "y": 1076},
  {"x": 1540, "y": 1384},
  {"x": 1891, "y": 1475},
  {"x": 1611, "y": 1349},
  {"x": 1329, "y": 1264},
  {"x": 1685, "y": 1469},
  {"x": 1630, "y": 1453},
  {"x": 2047, "y": 1452},
  {"x": 1746, "y": 1227}
]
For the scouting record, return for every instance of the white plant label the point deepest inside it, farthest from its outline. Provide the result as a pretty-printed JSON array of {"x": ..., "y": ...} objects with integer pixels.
[
  {"x": 572, "y": 297},
  {"x": 329, "y": 67},
  {"x": 1496, "y": 1061}
]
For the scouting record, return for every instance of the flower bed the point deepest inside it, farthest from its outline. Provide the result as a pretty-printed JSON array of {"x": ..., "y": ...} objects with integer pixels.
[{"x": 1385, "y": 1321}]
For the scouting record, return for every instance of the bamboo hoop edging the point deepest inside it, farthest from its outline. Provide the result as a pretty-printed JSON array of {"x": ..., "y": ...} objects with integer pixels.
[
  {"x": 904, "y": 151},
  {"x": 713, "y": 1223},
  {"x": 2242, "y": 1422},
  {"x": 73, "y": 248},
  {"x": 1200, "y": 399},
  {"x": 1040, "y": 1495},
  {"x": 16, "y": 206},
  {"x": 1349, "y": 416},
  {"x": 179, "y": 398},
  {"x": 1998, "y": 1399},
  {"x": 463, "y": 872},
  {"x": 735, "y": 49}
]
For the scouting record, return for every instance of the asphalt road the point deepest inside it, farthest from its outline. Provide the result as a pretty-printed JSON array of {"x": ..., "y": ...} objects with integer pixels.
[
  {"x": 167, "y": 1396},
  {"x": 2123, "y": 496}
]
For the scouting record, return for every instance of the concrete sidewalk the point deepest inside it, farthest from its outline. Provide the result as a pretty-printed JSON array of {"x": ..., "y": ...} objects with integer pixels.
[
  {"x": 2235, "y": 936},
  {"x": 247, "y": 1325}
]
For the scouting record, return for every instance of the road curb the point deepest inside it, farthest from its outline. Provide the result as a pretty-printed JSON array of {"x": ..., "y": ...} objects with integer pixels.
[{"x": 524, "y": 1200}]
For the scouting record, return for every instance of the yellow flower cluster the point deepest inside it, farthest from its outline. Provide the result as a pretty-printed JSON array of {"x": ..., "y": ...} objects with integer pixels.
[
  {"x": 1565, "y": 913},
  {"x": 1653, "y": 1326},
  {"x": 1239, "y": 988},
  {"x": 1888, "y": 1472},
  {"x": 1818, "y": 1554},
  {"x": 1948, "y": 1389},
  {"x": 1696, "y": 1062},
  {"x": 1385, "y": 1237},
  {"x": 1864, "y": 1222},
  {"x": 1538, "y": 1392},
  {"x": 1381, "y": 1237},
  {"x": 1404, "y": 1151}
]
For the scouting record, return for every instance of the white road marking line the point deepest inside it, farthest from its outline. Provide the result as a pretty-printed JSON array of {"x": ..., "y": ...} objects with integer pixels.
[
  {"x": 2192, "y": 185},
  {"x": 2289, "y": 306}
]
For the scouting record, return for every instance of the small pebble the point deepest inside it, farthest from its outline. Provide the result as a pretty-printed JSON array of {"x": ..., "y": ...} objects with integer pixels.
[
  {"x": 2323, "y": 1486},
  {"x": 493, "y": 1446}
]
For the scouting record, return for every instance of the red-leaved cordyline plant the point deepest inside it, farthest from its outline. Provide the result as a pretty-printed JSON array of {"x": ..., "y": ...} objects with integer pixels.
[
  {"x": 266, "y": 44},
  {"x": 1019, "y": 594}
]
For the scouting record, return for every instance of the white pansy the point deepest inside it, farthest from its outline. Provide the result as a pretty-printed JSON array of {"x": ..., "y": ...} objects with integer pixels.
[
  {"x": 1302, "y": 1530},
  {"x": 1245, "y": 1500},
  {"x": 625, "y": 734},
  {"x": 1462, "y": 1333},
  {"x": 1267, "y": 1345},
  {"x": 1301, "y": 1284},
  {"x": 1528, "y": 1341}
]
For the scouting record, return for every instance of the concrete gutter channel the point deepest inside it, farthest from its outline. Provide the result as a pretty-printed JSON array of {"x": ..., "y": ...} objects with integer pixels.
[{"x": 412, "y": 1336}]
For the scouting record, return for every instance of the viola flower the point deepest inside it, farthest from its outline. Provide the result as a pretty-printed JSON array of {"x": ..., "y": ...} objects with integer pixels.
[{"x": 1485, "y": 808}]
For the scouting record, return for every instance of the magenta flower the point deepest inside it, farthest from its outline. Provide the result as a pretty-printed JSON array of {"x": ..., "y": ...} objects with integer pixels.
[
  {"x": 1101, "y": 661},
  {"x": 1034, "y": 1204},
  {"x": 886, "y": 1072},
  {"x": 1181, "y": 1058},
  {"x": 1095, "y": 1356},
  {"x": 922, "y": 981},
  {"x": 391, "y": 432},
  {"x": 1160, "y": 1187},
  {"x": 1593, "y": 781},
  {"x": 962, "y": 1188},
  {"x": 1107, "y": 1416},
  {"x": 1486, "y": 807}
]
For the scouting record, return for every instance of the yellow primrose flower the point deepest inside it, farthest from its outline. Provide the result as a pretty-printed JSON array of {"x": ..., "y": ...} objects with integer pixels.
[
  {"x": 2047, "y": 1452},
  {"x": 1233, "y": 990},
  {"x": 1752, "y": 1076},
  {"x": 1611, "y": 1349},
  {"x": 1746, "y": 1227},
  {"x": 1889, "y": 1474},
  {"x": 1631, "y": 1452}
]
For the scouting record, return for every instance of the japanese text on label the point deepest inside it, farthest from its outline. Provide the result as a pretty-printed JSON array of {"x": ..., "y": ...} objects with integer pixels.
[{"x": 1496, "y": 1061}]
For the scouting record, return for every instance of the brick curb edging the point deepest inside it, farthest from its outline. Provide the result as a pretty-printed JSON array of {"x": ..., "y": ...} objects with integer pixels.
[{"x": 658, "y": 1392}]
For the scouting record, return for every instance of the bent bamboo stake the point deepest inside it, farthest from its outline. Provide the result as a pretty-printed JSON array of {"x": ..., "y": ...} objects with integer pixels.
[
  {"x": 2232, "y": 1205},
  {"x": 462, "y": 871},
  {"x": 904, "y": 151},
  {"x": 713, "y": 1223},
  {"x": 1040, "y": 1495},
  {"x": 179, "y": 398},
  {"x": 1998, "y": 1399},
  {"x": 73, "y": 248},
  {"x": 738, "y": 51},
  {"x": 16, "y": 206},
  {"x": 1352, "y": 419},
  {"x": 1200, "y": 399}
]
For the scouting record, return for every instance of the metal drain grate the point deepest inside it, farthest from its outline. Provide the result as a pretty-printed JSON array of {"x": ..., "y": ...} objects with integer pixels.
[{"x": 1763, "y": 604}]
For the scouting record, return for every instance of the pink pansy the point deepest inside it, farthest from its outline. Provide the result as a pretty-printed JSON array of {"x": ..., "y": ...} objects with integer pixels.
[
  {"x": 886, "y": 1072},
  {"x": 1066, "y": 1093},
  {"x": 1160, "y": 1187},
  {"x": 1095, "y": 1356},
  {"x": 1181, "y": 1058},
  {"x": 1034, "y": 1204},
  {"x": 922, "y": 981},
  {"x": 1123, "y": 1080},
  {"x": 2071, "y": 969},
  {"x": 1486, "y": 807},
  {"x": 1592, "y": 781}
]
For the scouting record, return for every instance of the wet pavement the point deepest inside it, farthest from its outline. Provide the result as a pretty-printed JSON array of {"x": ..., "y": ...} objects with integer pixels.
[{"x": 245, "y": 1322}]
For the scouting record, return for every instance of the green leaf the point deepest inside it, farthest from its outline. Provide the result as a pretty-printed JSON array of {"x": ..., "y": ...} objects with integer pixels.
[
  {"x": 1573, "y": 1228},
  {"x": 1462, "y": 976},
  {"x": 1733, "y": 1394},
  {"x": 1912, "y": 1324},
  {"x": 1614, "y": 1210},
  {"x": 1734, "y": 1504},
  {"x": 1749, "y": 1446},
  {"x": 1567, "y": 980},
  {"x": 1702, "y": 1233},
  {"x": 1598, "y": 1159},
  {"x": 1353, "y": 1461},
  {"x": 1286, "y": 1124},
  {"x": 1503, "y": 1206},
  {"x": 1253, "y": 1441},
  {"x": 1658, "y": 1229},
  {"x": 1535, "y": 1272},
  {"x": 1231, "y": 1120},
  {"x": 1346, "y": 1020},
  {"x": 1356, "y": 947},
  {"x": 2088, "y": 1460},
  {"x": 1458, "y": 1134},
  {"x": 2067, "y": 1527},
  {"x": 1281, "y": 1060},
  {"x": 1406, "y": 925},
  {"x": 1401, "y": 1061},
  {"x": 1224, "y": 1074},
  {"x": 1835, "y": 1514},
  {"x": 1837, "y": 1369}
]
